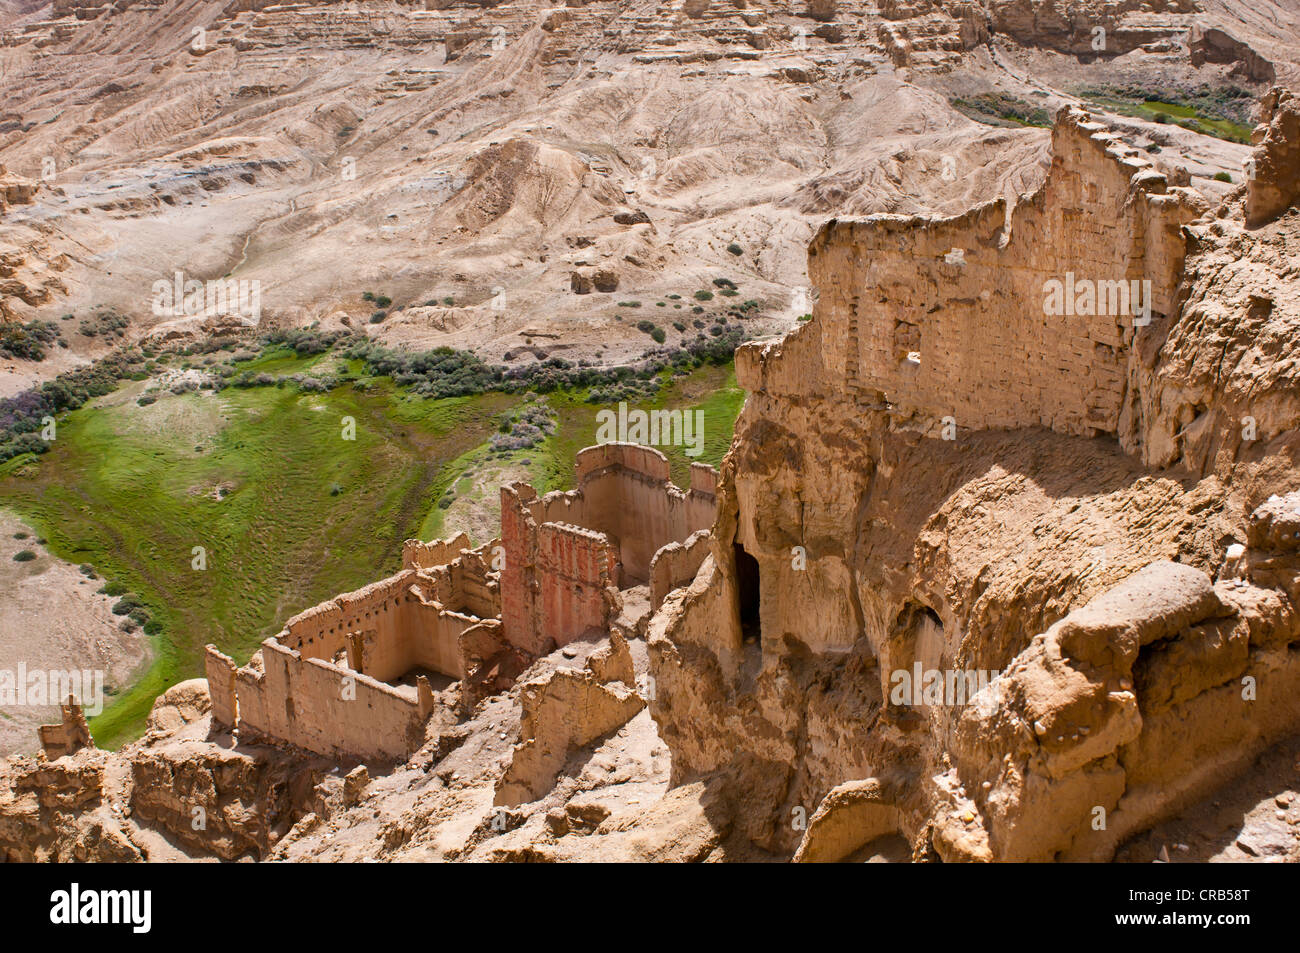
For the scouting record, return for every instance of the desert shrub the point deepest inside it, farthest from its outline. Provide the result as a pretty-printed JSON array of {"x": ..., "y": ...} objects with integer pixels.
[
  {"x": 129, "y": 602},
  {"x": 735, "y": 249},
  {"x": 28, "y": 341},
  {"x": 21, "y": 416},
  {"x": 1222, "y": 177},
  {"x": 24, "y": 556},
  {"x": 107, "y": 323}
]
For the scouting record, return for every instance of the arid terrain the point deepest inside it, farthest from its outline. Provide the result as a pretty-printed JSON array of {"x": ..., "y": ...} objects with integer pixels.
[{"x": 998, "y": 561}]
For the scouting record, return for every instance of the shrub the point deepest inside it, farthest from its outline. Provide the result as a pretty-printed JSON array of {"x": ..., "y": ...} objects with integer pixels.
[
  {"x": 128, "y": 603},
  {"x": 735, "y": 249},
  {"x": 1222, "y": 177},
  {"x": 703, "y": 296},
  {"x": 658, "y": 335},
  {"x": 28, "y": 341},
  {"x": 24, "y": 556},
  {"x": 378, "y": 317}
]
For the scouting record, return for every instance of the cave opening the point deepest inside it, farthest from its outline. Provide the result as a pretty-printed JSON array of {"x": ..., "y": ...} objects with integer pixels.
[{"x": 747, "y": 583}]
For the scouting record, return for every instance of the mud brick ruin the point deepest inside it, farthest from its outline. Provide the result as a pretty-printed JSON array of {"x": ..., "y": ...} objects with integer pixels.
[{"x": 355, "y": 676}]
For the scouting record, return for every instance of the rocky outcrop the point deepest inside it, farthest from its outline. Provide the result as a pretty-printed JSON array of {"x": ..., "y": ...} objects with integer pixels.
[
  {"x": 1274, "y": 183},
  {"x": 998, "y": 624},
  {"x": 566, "y": 709}
]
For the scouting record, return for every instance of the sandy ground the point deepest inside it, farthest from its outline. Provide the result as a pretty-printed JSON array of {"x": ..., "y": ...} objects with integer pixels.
[
  {"x": 51, "y": 619},
  {"x": 1255, "y": 817},
  {"x": 477, "y": 511}
]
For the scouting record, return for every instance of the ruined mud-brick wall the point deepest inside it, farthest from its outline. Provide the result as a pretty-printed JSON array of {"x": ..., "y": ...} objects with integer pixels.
[
  {"x": 417, "y": 554},
  {"x": 320, "y": 684},
  {"x": 563, "y": 550},
  {"x": 574, "y": 568},
  {"x": 554, "y": 578},
  {"x": 626, "y": 492},
  {"x": 968, "y": 295},
  {"x": 676, "y": 564},
  {"x": 468, "y": 583},
  {"x": 407, "y": 620},
  {"x": 324, "y": 708}
]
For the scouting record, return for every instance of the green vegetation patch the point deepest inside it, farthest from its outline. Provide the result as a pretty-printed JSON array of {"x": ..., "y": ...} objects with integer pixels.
[
  {"x": 1219, "y": 111},
  {"x": 999, "y": 109}
]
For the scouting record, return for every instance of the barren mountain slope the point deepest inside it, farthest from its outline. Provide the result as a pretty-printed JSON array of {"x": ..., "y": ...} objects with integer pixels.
[{"x": 513, "y": 171}]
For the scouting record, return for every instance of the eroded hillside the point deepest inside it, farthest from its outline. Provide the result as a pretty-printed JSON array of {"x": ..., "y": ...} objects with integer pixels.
[{"x": 507, "y": 173}]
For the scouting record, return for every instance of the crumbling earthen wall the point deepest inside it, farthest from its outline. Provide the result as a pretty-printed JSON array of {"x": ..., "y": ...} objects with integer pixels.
[
  {"x": 563, "y": 550},
  {"x": 949, "y": 317},
  {"x": 468, "y": 583},
  {"x": 69, "y": 736},
  {"x": 328, "y": 709},
  {"x": 421, "y": 555},
  {"x": 626, "y": 492},
  {"x": 676, "y": 564},
  {"x": 320, "y": 684}
]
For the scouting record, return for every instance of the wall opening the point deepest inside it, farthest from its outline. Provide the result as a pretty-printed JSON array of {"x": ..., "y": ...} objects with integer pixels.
[{"x": 747, "y": 583}]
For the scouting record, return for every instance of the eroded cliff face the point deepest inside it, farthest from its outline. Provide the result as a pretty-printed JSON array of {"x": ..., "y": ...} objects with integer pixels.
[{"x": 1048, "y": 510}]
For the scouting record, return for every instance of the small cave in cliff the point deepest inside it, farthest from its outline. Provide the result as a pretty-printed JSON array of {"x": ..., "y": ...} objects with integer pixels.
[{"x": 747, "y": 589}]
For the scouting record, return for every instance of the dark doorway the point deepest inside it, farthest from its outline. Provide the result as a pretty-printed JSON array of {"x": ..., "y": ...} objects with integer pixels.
[{"x": 747, "y": 587}]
